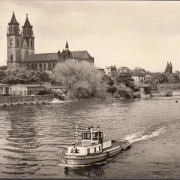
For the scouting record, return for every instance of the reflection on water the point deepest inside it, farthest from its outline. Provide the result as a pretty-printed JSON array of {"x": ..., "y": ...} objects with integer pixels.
[
  {"x": 89, "y": 171},
  {"x": 32, "y": 138},
  {"x": 21, "y": 142}
]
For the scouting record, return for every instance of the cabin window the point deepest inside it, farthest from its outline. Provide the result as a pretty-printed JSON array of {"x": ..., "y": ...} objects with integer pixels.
[
  {"x": 91, "y": 150},
  {"x": 88, "y": 151},
  {"x": 87, "y": 136}
]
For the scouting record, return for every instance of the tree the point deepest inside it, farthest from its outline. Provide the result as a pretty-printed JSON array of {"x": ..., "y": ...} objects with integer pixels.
[
  {"x": 108, "y": 80},
  {"x": 162, "y": 78},
  {"x": 124, "y": 78},
  {"x": 79, "y": 77},
  {"x": 23, "y": 76},
  {"x": 112, "y": 89},
  {"x": 2, "y": 75}
]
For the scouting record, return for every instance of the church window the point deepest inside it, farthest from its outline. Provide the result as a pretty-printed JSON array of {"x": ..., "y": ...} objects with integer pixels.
[
  {"x": 10, "y": 42},
  {"x": 17, "y": 42},
  {"x": 40, "y": 66},
  {"x": 31, "y": 44},
  {"x": 11, "y": 57}
]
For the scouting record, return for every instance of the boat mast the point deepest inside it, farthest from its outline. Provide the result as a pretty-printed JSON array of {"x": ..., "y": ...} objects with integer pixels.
[
  {"x": 76, "y": 135},
  {"x": 91, "y": 134}
]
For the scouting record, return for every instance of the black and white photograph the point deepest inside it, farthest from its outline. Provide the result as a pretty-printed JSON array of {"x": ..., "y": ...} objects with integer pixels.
[{"x": 90, "y": 89}]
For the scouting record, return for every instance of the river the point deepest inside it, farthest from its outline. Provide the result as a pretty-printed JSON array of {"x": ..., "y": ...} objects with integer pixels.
[{"x": 32, "y": 138}]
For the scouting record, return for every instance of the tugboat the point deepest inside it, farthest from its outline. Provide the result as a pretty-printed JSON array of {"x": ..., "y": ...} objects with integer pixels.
[{"x": 92, "y": 148}]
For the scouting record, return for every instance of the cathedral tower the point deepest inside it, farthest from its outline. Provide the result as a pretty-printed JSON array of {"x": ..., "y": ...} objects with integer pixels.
[
  {"x": 27, "y": 39},
  {"x": 67, "y": 46},
  {"x": 13, "y": 43}
]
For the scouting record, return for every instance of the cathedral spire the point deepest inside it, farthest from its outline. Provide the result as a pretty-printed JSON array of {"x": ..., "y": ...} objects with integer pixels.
[
  {"x": 13, "y": 26},
  {"x": 67, "y": 46},
  {"x": 27, "y": 28},
  {"x": 27, "y": 23},
  {"x": 13, "y": 20}
]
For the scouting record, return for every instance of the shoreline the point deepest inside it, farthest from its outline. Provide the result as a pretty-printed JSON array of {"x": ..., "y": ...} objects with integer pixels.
[{"x": 25, "y": 100}]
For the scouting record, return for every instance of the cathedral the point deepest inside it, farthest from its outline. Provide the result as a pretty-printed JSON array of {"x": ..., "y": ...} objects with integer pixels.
[{"x": 21, "y": 50}]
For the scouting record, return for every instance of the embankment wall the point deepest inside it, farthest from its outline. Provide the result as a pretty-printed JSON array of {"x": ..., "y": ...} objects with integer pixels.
[{"x": 7, "y": 100}]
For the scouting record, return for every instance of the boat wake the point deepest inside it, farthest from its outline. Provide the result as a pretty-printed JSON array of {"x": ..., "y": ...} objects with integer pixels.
[{"x": 141, "y": 136}]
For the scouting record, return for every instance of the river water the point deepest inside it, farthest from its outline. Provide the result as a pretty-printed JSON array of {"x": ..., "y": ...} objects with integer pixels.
[{"x": 32, "y": 137}]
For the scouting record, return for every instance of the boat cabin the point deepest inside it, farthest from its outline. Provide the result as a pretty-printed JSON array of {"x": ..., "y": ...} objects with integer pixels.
[
  {"x": 92, "y": 137},
  {"x": 92, "y": 142}
]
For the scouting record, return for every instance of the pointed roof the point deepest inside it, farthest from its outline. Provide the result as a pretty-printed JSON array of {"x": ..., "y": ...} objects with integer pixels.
[
  {"x": 170, "y": 64},
  {"x": 27, "y": 23},
  {"x": 13, "y": 19},
  {"x": 67, "y": 46}
]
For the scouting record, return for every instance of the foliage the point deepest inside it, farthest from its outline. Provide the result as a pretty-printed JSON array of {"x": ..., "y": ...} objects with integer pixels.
[
  {"x": 162, "y": 78},
  {"x": 81, "y": 78},
  {"x": 112, "y": 89},
  {"x": 174, "y": 78},
  {"x": 43, "y": 92},
  {"x": 23, "y": 76},
  {"x": 124, "y": 78},
  {"x": 47, "y": 86},
  {"x": 127, "y": 80},
  {"x": 3, "y": 68},
  {"x": 108, "y": 80},
  {"x": 124, "y": 93},
  {"x": 2, "y": 75}
]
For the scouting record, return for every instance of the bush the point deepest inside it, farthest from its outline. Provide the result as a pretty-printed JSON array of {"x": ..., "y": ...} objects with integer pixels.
[
  {"x": 82, "y": 93},
  {"x": 112, "y": 89},
  {"x": 124, "y": 93},
  {"x": 43, "y": 92}
]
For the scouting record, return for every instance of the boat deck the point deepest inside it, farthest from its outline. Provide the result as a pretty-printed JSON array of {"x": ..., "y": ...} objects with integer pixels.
[{"x": 116, "y": 144}]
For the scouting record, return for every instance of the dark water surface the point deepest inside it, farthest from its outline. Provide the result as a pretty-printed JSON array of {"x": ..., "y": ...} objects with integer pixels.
[{"x": 31, "y": 138}]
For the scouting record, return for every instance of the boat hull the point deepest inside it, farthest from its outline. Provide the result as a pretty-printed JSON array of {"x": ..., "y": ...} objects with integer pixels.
[
  {"x": 85, "y": 160},
  {"x": 116, "y": 148}
]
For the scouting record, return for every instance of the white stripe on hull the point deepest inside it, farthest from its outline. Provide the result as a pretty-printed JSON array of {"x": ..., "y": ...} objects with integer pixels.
[{"x": 85, "y": 160}]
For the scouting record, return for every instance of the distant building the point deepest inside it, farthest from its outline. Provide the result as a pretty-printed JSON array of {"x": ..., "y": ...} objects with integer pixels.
[
  {"x": 101, "y": 71},
  {"x": 123, "y": 70},
  {"x": 25, "y": 89},
  {"x": 138, "y": 74},
  {"x": 21, "y": 49},
  {"x": 139, "y": 77},
  {"x": 4, "y": 89},
  {"x": 111, "y": 71},
  {"x": 18, "y": 90},
  {"x": 138, "y": 70},
  {"x": 149, "y": 77}
]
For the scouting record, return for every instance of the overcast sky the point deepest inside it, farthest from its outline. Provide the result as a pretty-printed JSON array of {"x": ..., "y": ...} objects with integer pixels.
[{"x": 125, "y": 33}]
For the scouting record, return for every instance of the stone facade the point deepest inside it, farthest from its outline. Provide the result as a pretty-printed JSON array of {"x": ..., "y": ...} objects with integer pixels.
[{"x": 21, "y": 50}]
